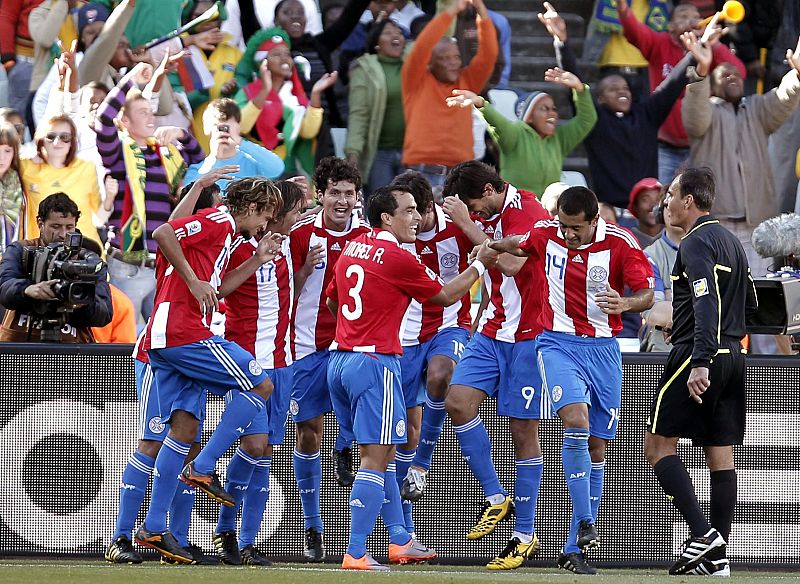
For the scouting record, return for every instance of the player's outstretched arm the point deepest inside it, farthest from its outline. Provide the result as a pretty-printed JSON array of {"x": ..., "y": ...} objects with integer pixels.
[
  {"x": 203, "y": 292},
  {"x": 269, "y": 247},
  {"x": 509, "y": 245},
  {"x": 456, "y": 288},
  {"x": 186, "y": 205}
]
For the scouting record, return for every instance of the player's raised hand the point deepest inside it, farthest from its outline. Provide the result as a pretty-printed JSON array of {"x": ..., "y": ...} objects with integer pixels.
[
  {"x": 486, "y": 255},
  {"x": 610, "y": 301},
  {"x": 553, "y": 22},
  {"x": 465, "y": 98},
  {"x": 227, "y": 172},
  {"x": 698, "y": 383},
  {"x": 269, "y": 246},
  {"x": 206, "y": 296},
  {"x": 456, "y": 210},
  {"x": 314, "y": 258}
]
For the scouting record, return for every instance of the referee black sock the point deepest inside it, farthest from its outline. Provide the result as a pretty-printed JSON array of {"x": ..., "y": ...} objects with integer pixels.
[
  {"x": 677, "y": 484},
  {"x": 723, "y": 500}
]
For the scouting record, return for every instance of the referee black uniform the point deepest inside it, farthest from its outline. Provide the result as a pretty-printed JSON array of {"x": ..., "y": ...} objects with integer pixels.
[{"x": 712, "y": 294}]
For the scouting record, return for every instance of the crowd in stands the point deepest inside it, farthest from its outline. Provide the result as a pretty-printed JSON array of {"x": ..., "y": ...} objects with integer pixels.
[{"x": 102, "y": 101}]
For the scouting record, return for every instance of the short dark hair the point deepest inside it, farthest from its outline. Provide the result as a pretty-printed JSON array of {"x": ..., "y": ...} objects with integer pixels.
[
  {"x": 226, "y": 108},
  {"x": 335, "y": 169},
  {"x": 468, "y": 179},
  {"x": 58, "y": 203},
  {"x": 205, "y": 199},
  {"x": 415, "y": 183},
  {"x": 382, "y": 200},
  {"x": 699, "y": 182},
  {"x": 291, "y": 193},
  {"x": 375, "y": 32},
  {"x": 577, "y": 200}
]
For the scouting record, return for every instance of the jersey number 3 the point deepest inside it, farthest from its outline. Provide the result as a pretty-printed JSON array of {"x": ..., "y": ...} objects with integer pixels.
[{"x": 355, "y": 293}]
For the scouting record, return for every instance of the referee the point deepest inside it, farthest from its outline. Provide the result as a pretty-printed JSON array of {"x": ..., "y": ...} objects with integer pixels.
[{"x": 702, "y": 389}]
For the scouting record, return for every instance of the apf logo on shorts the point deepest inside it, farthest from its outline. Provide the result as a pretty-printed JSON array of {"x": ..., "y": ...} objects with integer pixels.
[
  {"x": 400, "y": 429},
  {"x": 294, "y": 407},
  {"x": 156, "y": 425},
  {"x": 557, "y": 393},
  {"x": 254, "y": 367}
]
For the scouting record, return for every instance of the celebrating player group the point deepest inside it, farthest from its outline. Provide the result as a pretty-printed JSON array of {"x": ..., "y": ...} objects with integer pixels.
[{"x": 369, "y": 317}]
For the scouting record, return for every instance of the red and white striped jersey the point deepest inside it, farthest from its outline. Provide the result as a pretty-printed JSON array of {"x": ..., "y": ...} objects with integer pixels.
[
  {"x": 574, "y": 276},
  {"x": 205, "y": 239},
  {"x": 373, "y": 284},
  {"x": 139, "y": 354},
  {"x": 444, "y": 249},
  {"x": 259, "y": 311},
  {"x": 512, "y": 313},
  {"x": 313, "y": 325}
]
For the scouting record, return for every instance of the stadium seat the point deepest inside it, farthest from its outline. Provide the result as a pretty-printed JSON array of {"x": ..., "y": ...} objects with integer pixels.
[
  {"x": 505, "y": 101},
  {"x": 573, "y": 178}
]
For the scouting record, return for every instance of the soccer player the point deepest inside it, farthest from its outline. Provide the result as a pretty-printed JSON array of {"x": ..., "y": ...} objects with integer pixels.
[
  {"x": 187, "y": 358},
  {"x": 500, "y": 359},
  {"x": 257, "y": 319},
  {"x": 433, "y": 340},
  {"x": 710, "y": 272},
  {"x": 373, "y": 284},
  {"x": 316, "y": 244},
  {"x": 586, "y": 263}
]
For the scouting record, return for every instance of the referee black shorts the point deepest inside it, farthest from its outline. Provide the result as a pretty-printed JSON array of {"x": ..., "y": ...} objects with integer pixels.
[{"x": 720, "y": 419}]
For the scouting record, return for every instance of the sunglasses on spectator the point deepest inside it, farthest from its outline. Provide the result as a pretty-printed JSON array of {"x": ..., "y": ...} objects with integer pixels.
[{"x": 65, "y": 137}]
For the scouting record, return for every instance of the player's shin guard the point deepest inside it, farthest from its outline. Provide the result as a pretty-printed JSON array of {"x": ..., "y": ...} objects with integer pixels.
[
  {"x": 403, "y": 460},
  {"x": 255, "y": 502},
  {"x": 432, "y": 421},
  {"x": 366, "y": 500},
  {"x": 526, "y": 493},
  {"x": 237, "y": 480},
  {"x": 308, "y": 474},
  {"x": 392, "y": 508},
  {"x": 180, "y": 513},
  {"x": 477, "y": 450},
  {"x": 237, "y": 416},
  {"x": 168, "y": 465},
  {"x": 577, "y": 468},
  {"x": 131, "y": 492}
]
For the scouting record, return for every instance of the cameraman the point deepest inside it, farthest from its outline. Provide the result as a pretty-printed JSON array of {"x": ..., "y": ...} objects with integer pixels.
[{"x": 57, "y": 216}]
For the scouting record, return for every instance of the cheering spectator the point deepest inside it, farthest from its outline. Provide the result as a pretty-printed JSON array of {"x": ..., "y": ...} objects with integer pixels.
[
  {"x": 642, "y": 201},
  {"x": 17, "y": 50},
  {"x": 663, "y": 50},
  {"x": 10, "y": 185},
  {"x": 57, "y": 168},
  {"x": 149, "y": 166},
  {"x": 246, "y": 17},
  {"x": 376, "y": 124},
  {"x": 275, "y": 108},
  {"x": 439, "y": 137}
]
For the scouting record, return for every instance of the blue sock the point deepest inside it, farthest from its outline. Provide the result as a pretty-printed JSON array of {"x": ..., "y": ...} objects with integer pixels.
[
  {"x": 237, "y": 478},
  {"x": 169, "y": 463},
  {"x": 308, "y": 474},
  {"x": 392, "y": 509},
  {"x": 343, "y": 440},
  {"x": 403, "y": 460},
  {"x": 131, "y": 492},
  {"x": 526, "y": 493},
  {"x": 477, "y": 450},
  {"x": 366, "y": 500},
  {"x": 596, "y": 486},
  {"x": 255, "y": 502},
  {"x": 577, "y": 468},
  {"x": 180, "y": 513},
  {"x": 237, "y": 416},
  {"x": 432, "y": 421}
]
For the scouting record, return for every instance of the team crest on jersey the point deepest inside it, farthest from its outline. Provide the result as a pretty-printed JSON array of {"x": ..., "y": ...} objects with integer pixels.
[
  {"x": 400, "y": 428},
  {"x": 254, "y": 367},
  {"x": 700, "y": 287},
  {"x": 193, "y": 227},
  {"x": 294, "y": 407},
  {"x": 557, "y": 393},
  {"x": 598, "y": 274},
  {"x": 449, "y": 260},
  {"x": 156, "y": 425}
]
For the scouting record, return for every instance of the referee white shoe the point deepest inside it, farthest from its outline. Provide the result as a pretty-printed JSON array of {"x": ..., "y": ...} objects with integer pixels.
[{"x": 695, "y": 550}]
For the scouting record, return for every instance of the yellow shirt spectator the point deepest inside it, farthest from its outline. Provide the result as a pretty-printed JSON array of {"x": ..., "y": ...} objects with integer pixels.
[{"x": 619, "y": 52}]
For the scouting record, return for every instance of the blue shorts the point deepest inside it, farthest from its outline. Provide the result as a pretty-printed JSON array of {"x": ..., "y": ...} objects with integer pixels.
[
  {"x": 153, "y": 414},
  {"x": 522, "y": 394},
  {"x": 584, "y": 370},
  {"x": 367, "y": 396},
  {"x": 272, "y": 419},
  {"x": 184, "y": 373},
  {"x": 310, "y": 395},
  {"x": 482, "y": 364},
  {"x": 449, "y": 342}
]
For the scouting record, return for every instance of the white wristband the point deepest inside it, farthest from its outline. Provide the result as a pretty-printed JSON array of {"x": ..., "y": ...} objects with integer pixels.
[{"x": 479, "y": 267}]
